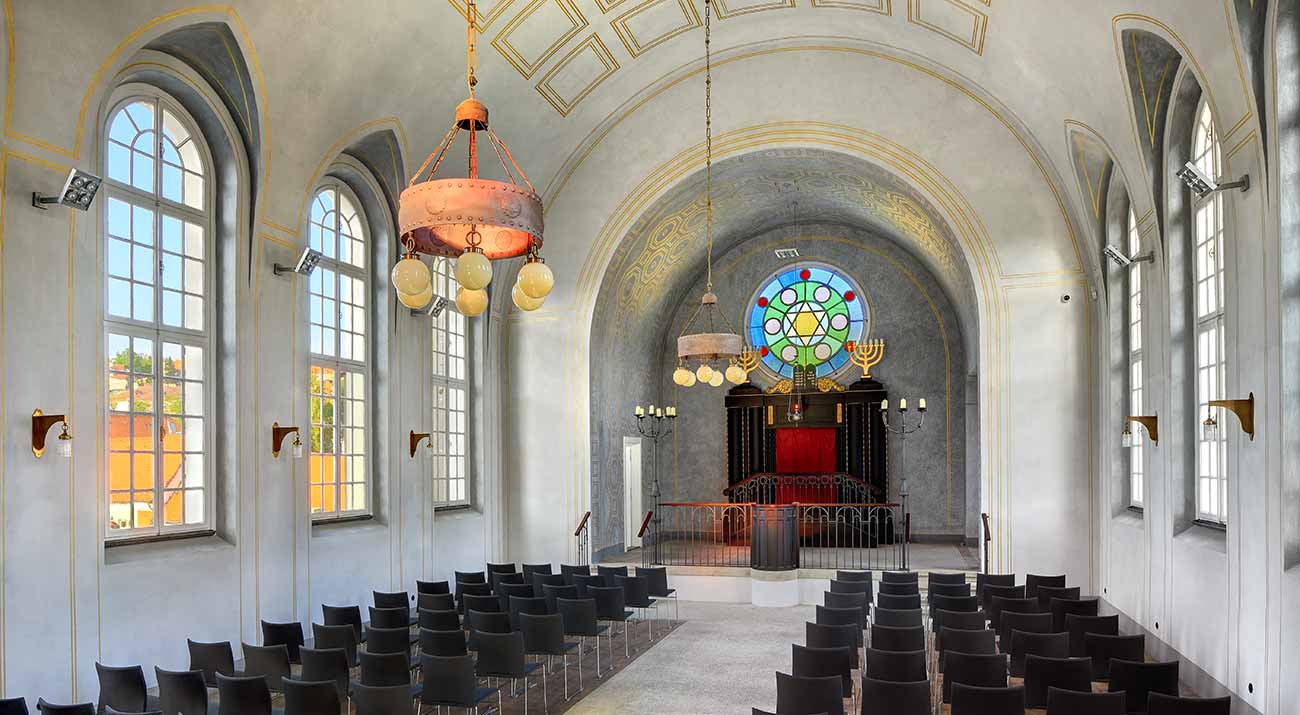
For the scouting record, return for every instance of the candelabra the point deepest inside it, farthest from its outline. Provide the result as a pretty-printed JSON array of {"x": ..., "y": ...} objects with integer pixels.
[
  {"x": 655, "y": 423},
  {"x": 902, "y": 429},
  {"x": 866, "y": 354}
]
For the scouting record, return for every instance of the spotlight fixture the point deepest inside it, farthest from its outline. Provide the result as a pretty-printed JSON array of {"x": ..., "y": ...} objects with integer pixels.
[
  {"x": 787, "y": 254},
  {"x": 78, "y": 191},
  {"x": 41, "y": 424},
  {"x": 1124, "y": 261},
  {"x": 304, "y": 266},
  {"x": 1203, "y": 185},
  {"x": 278, "y": 434},
  {"x": 433, "y": 309}
]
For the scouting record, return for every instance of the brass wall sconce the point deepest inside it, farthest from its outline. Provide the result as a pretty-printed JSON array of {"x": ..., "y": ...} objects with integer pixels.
[
  {"x": 1243, "y": 409},
  {"x": 41, "y": 424},
  {"x": 1151, "y": 422},
  {"x": 415, "y": 441},
  {"x": 278, "y": 434}
]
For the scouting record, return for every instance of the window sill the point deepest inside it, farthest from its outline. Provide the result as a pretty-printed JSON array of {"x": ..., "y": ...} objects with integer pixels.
[
  {"x": 121, "y": 551},
  {"x": 1137, "y": 509},
  {"x": 1213, "y": 525},
  {"x": 341, "y": 521},
  {"x": 157, "y": 539},
  {"x": 453, "y": 508}
]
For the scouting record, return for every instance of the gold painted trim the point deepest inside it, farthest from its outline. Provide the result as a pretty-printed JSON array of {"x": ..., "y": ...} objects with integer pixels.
[
  {"x": 593, "y": 43},
  {"x": 1239, "y": 146},
  {"x": 883, "y": 7},
  {"x": 484, "y": 20},
  {"x": 976, "y": 42},
  {"x": 516, "y": 58},
  {"x": 1094, "y": 192},
  {"x": 633, "y": 45},
  {"x": 725, "y": 13},
  {"x": 1151, "y": 114}
]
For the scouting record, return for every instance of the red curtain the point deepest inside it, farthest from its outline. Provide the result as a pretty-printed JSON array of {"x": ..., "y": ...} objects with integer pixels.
[{"x": 805, "y": 450}]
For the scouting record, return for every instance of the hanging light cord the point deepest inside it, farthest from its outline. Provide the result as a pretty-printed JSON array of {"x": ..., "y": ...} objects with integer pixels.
[
  {"x": 471, "y": 45},
  {"x": 708, "y": 137}
]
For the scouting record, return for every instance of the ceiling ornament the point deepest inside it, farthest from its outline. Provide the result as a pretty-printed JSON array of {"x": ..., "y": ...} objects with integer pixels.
[{"x": 471, "y": 219}]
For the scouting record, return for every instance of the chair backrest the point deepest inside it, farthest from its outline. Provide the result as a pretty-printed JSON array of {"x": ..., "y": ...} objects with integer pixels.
[
  {"x": 1027, "y": 622},
  {"x": 656, "y": 578},
  {"x": 389, "y": 618},
  {"x": 1048, "y": 645},
  {"x": 998, "y": 604},
  {"x": 1070, "y": 702},
  {"x": 382, "y": 669},
  {"x": 543, "y": 633},
  {"x": 465, "y": 590},
  {"x": 435, "y": 602},
  {"x": 956, "y": 619},
  {"x": 496, "y": 578},
  {"x": 817, "y": 635},
  {"x": 1102, "y": 649},
  {"x": 327, "y": 664},
  {"x": 122, "y": 687},
  {"x": 505, "y": 591},
  {"x": 382, "y": 700},
  {"x": 636, "y": 591},
  {"x": 607, "y": 573},
  {"x": 1077, "y": 626},
  {"x": 808, "y": 696},
  {"x": 243, "y": 695},
  {"x": 180, "y": 692},
  {"x": 541, "y": 580},
  {"x": 388, "y": 640},
  {"x": 989, "y": 592},
  {"x": 395, "y": 599},
  {"x": 982, "y": 669},
  {"x": 1162, "y": 704},
  {"x": 903, "y": 666},
  {"x": 432, "y": 587},
  {"x": 966, "y": 641},
  {"x": 537, "y": 568},
  {"x": 609, "y": 602},
  {"x": 993, "y": 579},
  {"x": 896, "y": 617},
  {"x": 961, "y": 604},
  {"x": 330, "y": 637},
  {"x": 978, "y": 700},
  {"x": 899, "y": 588},
  {"x": 15, "y": 706},
  {"x": 211, "y": 659},
  {"x": 496, "y": 568},
  {"x": 896, "y": 698},
  {"x": 1033, "y": 581},
  {"x": 519, "y": 605},
  {"x": 1139, "y": 679},
  {"x": 488, "y": 622},
  {"x": 844, "y": 600},
  {"x": 950, "y": 589},
  {"x": 500, "y": 655},
  {"x": 1047, "y": 593},
  {"x": 834, "y": 616},
  {"x": 899, "y": 577},
  {"x": 271, "y": 662},
  {"x": 935, "y": 577},
  {"x": 439, "y": 620},
  {"x": 444, "y": 643},
  {"x": 550, "y": 593},
  {"x": 344, "y": 616},
  {"x": 579, "y": 616},
  {"x": 841, "y": 586},
  {"x": 898, "y": 602},
  {"x": 571, "y": 569},
  {"x": 470, "y": 577},
  {"x": 1064, "y": 673},
  {"x": 806, "y": 662},
  {"x": 483, "y": 603},
  {"x": 287, "y": 634},
  {"x": 897, "y": 638},
  {"x": 582, "y": 582},
  {"x": 447, "y": 680},
  {"x": 53, "y": 709},
  {"x": 309, "y": 697},
  {"x": 1062, "y": 608},
  {"x": 853, "y": 576}
]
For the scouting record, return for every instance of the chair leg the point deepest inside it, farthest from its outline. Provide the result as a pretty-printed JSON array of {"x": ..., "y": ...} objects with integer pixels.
[{"x": 546, "y": 699}]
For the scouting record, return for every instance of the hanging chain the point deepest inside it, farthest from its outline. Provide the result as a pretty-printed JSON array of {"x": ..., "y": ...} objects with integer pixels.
[
  {"x": 708, "y": 137},
  {"x": 471, "y": 53}
]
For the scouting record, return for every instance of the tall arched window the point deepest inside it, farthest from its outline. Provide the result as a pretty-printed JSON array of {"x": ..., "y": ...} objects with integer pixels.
[
  {"x": 157, "y": 319},
  {"x": 449, "y": 440},
  {"x": 1137, "y": 457},
  {"x": 340, "y": 364},
  {"x": 1208, "y": 318}
]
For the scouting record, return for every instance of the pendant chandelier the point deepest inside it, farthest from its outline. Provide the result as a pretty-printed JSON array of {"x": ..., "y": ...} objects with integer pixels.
[
  {"x": 471, "y": 219},
  {"x": 707, "y": 337}
]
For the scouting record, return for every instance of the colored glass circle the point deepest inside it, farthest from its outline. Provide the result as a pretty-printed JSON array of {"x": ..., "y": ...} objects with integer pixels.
[{"x": 803, "y": 317}]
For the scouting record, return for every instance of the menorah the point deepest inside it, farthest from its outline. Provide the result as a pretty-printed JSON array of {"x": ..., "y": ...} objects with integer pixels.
[
  {"x": 866, "y": 354},
  {"x": 747, "y": 360}
]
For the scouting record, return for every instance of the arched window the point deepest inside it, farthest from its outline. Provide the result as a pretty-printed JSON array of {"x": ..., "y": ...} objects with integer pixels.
[
  {"x": 157, "y": 319},
  {"x": 1136, "y": 454},
  {"x": 1208, "y": 319},
  {"x": 340, "y": 364},
  {"x": 448, "y": 438}
]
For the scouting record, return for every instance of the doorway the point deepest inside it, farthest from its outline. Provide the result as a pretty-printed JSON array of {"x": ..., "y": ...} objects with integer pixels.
[{"x": 631, "y": 492}]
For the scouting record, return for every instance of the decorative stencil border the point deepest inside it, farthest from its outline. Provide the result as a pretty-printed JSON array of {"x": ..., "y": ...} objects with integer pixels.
[
  {"x": 725, "y": 12},
  {"x": 635, "y": 46},
  {"x": 592, "y": 45},
  {"x": 980, "y": 23},
  {"x": 880, "y": 7},
  {"x": 516, "y": 58}
]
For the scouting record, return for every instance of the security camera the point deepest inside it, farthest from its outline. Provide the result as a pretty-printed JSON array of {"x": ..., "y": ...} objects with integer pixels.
[
  {"x": 1065, "y": 298},
  {"x": 1124, "y": 261},
  {"x": 1203, "y": 185},
  {"x": 304, "y": 266}
]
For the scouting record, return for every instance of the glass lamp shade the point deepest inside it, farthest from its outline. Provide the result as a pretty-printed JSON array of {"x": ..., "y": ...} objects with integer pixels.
[
  {"x": 535, "y": 280},
  {"x": 411, "y": 276},
  {"x": 689, "y": 379},
  {"x": 704, "y": 372},
  {"x": 736, "y": 375},
  {"x": 297, "y": 449},
  {"x": 1209, "y": 430},
  {"x": 471, "y": 302},
  {"x": 715, "y": 380},
  {"x": 415, "y": 301},
  {"x": 473, "y": 270},
  {"x": 681, "y": 376},
  {"x": 1126, "y": 439},
  {"x": 524, "y": 301},
  {"x": 65, "y": 446}
]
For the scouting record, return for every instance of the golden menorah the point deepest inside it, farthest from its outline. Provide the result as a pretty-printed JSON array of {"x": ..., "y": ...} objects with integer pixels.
[
  {"x": 866, "y": 354},
  {"x": 747, "y": 360}
]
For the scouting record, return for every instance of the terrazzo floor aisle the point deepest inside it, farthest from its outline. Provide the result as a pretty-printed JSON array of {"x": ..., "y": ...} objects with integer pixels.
[{"x": 721, "y": 660}]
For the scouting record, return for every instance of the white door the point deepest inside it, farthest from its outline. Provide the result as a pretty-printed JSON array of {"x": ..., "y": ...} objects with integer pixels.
[{"x": 632, "y": 513}]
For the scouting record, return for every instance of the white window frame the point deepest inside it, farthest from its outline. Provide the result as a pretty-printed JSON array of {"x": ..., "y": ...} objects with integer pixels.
[
  {"x": 1137, "y": 454},
  {"x": 1208, "y": 317},
  {"x": 155, "y": 330},
  {"x": 341, "y": 365},
  {"x": 449, "y": 441}
]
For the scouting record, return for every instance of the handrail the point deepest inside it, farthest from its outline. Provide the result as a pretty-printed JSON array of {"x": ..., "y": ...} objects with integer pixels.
[
  {"x": 582, "y": 524},
  {"x": 645, "y": 524},
  {"x": 988, "y": 536},
  {"x": 727, "y": 491}
]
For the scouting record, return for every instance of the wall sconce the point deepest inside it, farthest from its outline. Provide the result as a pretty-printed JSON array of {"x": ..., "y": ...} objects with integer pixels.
[
  {"x": 41, "y": 424},
  {"x": 278, "y": 434},
  {"x": 305, "y": 264},
  {"x": 1151, "y": 422},
  {"x": 1243, "y": 409},
  {"x": 78, "y": 191},
  {"x": 415, "y": 441}
]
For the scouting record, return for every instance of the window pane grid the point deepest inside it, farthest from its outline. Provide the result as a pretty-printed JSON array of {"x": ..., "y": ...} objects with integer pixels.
[
  {"x": 448, "y": 438},
  {"x": 1137, "y": 456}
]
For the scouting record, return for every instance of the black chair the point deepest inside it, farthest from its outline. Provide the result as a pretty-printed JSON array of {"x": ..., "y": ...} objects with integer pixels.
[
  {"x": 211, "y": 659},
  {"x": 1064, "y": 673},
  {"x": 1062, "y": 608},
  {"x": 1001, "y": 580},
  {"x": 934, "y": 577},
  {"x": 636, "y": 595},
  {"x": 432, "y": 587},
  {"x": 243, "y": 695},
  {"x": 439, "y": 620},
  {"x": 544, "y": 636},
  {"x": 1077, "y": 626},
  {"x": 506, "y": 591},
  {"x": 657, "y": 579},
  {"x": 1047, "y": 593},
  {"x": 989, "y": 592},
  {"x": 389, "y": 640},
  {"x": 839, "y": 586},
  {"x": 541, "y": 580},
  {"x": 344, "y": 616},
  {"x": 607, "y": 574},
  {"x": 287, "y": 634},
  {"x": 817, "y": 635},
  {"x": 115, "y": 711},
  {"x": 448, "y": 681},
  {"x": 898, "y": 602},
  {"x": 582, "y": 582},
  {"x": 959, "y": 604},
  {"x": 396, "y": 599},
  {"x": 895, "y": 617},
  {"x": 270, "y": 662},
  {"x": 897, "y": 588},
  {"x": 486, "y": 622},
  {"x": 610, "y": 607},
  {"x": 571, "y": 569},
  {"x": 386, "y": 670},
  {"x": 982, "y": 669},
  {"x": 895, "y": 666},
  {"x": 382, "y": 700},
  {"x": 1045, "y": 645},
  {"x": 955, "y": 640},
  {"x": 501, "y": 655},
  {"x": 122, "y": 687},
  {"x": 808, "y": 662},
  {"x": 959, "y": 620},
  {"x": 434, "y": 602},
  {"x": 311, "y": 697},
  {"x": 836, "y": 616},
  {"x": 465, "y": 590},
  {"x": 495, "y": 568},
  {"x": 1070, "y": 702},
  {"x": 1139, "y": 679},
  {"x": 327, "y": 664},
  {"x": 52, "y": 709},
  {"x": 180, "y": 692},
  {"x": 520, "y": 605},
  {"x": 483, "y": 603},
  {"x": 537, "y": 568},
  {"x": 496, "y": 578},
  {"x": 845, "y": 600},
  {"x": 389, "y": 618},
  {"x": 1103, "y": 649},
  {"x": 977, "y": 700},
  {"x": 1027, "y": 622},
  {"x": 336, "y": 637},
  {"x": 896, "y": 639},
  {"x": 579, "y": 616},
  {"x": 1162, "y": 704},
  {"x": 1033, "y": 581},
  {"x": 998, "y": 604},
  {"x": 550, "y": 593},
  {"x": 888, "y": 698},
  {"x": 853, "y": 576},
  {"x": 809, "y": 696},
  {"x": 950, "y": 589},
  {"x": 443, "y": 643},
  {"x": 899, "y": 577},
  {"x": 13, "y": 706}
]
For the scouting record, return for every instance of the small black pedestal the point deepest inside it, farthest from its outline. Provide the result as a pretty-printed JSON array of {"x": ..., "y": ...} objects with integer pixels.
[{"x": 776, "y": 538}]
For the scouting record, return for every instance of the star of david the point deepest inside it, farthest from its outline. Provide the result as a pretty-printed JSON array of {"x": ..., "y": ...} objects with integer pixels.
[{"x": 805, "y": 324}]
